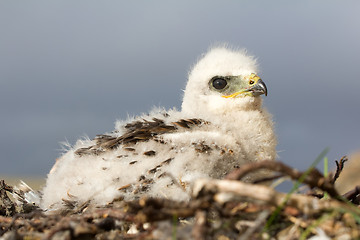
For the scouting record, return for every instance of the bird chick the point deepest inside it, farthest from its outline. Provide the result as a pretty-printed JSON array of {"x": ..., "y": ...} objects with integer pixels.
[{"x": 221, "y": 125}]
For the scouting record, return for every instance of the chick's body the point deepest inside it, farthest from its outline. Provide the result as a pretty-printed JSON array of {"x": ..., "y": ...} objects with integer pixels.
[{"x": 222, "y": 125}]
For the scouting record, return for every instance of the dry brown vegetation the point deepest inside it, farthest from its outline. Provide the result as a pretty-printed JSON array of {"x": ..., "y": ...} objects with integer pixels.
[{"x": 219, "y": 209}]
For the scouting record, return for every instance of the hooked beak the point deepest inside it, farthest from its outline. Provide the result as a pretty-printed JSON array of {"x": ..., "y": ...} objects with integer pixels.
[{"x": 258, "y": 89}]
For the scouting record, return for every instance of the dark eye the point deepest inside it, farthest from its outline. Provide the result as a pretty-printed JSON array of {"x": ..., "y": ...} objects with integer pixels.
[
  {"x": 219, "y": 83},
  {"x": 251, "y": 82}
]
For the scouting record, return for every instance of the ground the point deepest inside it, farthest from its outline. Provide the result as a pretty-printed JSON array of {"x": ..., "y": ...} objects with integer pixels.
[{"x": 219, "y": 209}]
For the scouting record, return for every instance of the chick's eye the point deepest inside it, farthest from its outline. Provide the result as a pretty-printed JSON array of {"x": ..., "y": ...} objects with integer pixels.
[
  {"x": 219, "y": 83},
  {"x": 251, "y": 82}
]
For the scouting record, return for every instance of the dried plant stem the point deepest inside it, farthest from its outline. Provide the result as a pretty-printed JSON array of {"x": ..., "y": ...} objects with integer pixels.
[{"x": 265, "y": 194}]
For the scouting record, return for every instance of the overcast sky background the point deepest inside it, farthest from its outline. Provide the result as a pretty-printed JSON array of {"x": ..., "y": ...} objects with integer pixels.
[{"x": 70, "y": 68}]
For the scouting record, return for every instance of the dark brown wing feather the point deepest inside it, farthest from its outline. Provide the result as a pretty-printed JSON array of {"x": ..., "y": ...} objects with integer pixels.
[{"x": 141, "y": 130}]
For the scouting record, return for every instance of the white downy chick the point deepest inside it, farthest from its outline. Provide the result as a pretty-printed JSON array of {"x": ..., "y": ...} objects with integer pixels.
[{"x": 221, "y": 125}]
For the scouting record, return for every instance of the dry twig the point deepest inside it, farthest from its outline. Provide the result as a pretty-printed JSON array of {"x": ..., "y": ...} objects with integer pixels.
[
  {"x": 309, "y": 205},
  {"x": 314, "y": 178},
  {"x": 339, "y": 168},
  {"x": 353, "y": 195}
]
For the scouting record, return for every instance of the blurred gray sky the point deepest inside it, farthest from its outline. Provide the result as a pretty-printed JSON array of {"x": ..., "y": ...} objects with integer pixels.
[{"x": 70, "y": 68}]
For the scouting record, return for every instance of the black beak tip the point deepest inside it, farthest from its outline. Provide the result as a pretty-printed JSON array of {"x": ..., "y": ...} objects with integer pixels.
[{"x": 262, "y": 87}]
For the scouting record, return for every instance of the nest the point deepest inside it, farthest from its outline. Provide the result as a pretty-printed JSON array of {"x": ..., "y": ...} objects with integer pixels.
[{"x": 220, "y": 209}]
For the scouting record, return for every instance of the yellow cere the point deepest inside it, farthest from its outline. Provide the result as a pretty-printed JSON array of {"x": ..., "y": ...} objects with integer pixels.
[{"x": 253, "y": 77}]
